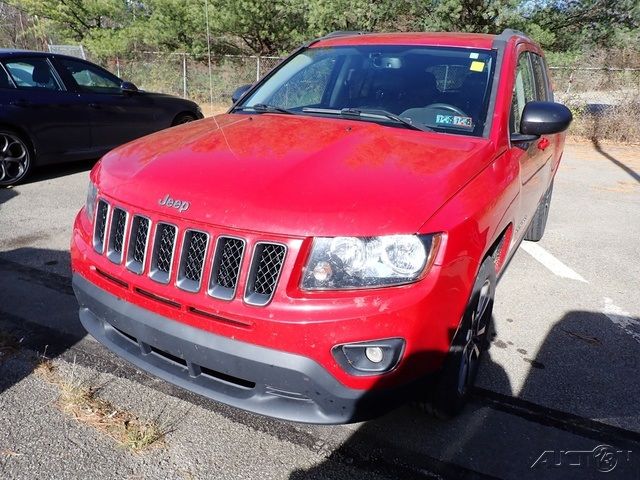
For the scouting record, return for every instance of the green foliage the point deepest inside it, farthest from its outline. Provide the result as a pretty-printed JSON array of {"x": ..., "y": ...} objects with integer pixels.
[
  {"x": 118, "y": 27},
  {"x": 264, "y": 26}
]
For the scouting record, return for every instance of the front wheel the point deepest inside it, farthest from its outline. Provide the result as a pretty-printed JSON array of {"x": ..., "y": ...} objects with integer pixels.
[
  {"x": 453, "y": 385},
  {"x": 16, "y": 159},
  {"x": 183, "y": 118},
  {"x": 538, "y": 224}
]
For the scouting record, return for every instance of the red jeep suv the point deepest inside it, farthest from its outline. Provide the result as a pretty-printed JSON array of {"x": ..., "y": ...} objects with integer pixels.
[{"x": 331, "y": 245}]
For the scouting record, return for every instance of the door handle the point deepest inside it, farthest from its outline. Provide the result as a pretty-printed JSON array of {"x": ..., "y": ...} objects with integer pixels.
[
  {"x": 94, "y": 105},
  {"x": 19, "y": 103},
  {"x": 543, "y": 143}
]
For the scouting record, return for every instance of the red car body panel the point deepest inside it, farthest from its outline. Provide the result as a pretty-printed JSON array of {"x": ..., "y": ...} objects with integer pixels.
[
  {"x": 288, "y": 179},
  {"x": 313, "y": 165}
]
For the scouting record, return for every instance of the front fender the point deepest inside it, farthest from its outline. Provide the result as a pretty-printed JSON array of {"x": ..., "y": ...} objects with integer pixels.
[{"x": 472, "y": 220}]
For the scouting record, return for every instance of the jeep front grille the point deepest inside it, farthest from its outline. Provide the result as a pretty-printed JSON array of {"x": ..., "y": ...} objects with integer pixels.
[
  {"x": 102, "y": 212},
  {"x": 138, "y": 243},
  {"x": 194, "y": 251},
  {"x": 226, "y": 267},
  {"x": 160, "y": 248},
  {"x": 268, "y": 259},
  {"x": 162, "y": 256},
  {"x": 116, "y": 235}
]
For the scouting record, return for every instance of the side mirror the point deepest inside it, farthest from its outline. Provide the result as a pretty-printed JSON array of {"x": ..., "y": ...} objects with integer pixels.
[
  {"x": 128, "y": 87},
  {"x": 239, "y": 92},
  {"x": 543, "y": 118}
]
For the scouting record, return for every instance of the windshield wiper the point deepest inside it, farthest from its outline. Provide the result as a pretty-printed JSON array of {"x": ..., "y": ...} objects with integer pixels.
[
  {"x": 364, "y": 112},
  {"x": 264, "y": 108},
  {"x": 370, "y": 113}
]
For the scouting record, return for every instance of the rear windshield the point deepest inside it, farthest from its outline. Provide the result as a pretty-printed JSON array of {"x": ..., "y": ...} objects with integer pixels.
[{"x": 444, "y": 89}]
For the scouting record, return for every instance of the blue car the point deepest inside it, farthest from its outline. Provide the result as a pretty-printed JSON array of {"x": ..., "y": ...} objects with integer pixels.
[{"x": 56, "y": 108}]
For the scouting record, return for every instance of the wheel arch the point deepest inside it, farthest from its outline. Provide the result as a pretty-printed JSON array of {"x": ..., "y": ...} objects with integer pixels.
[{"x": 191, "y": 113}]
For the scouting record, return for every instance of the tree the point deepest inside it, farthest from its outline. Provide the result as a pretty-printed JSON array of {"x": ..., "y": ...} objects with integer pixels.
[{"x": 264, "y": 26}]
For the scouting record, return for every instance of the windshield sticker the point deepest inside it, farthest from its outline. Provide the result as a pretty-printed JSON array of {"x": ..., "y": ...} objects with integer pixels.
[
  {"x": 454, "y": 121},
  {"x": 476, "y": 66},
  {"x": 474, "y": 55}
]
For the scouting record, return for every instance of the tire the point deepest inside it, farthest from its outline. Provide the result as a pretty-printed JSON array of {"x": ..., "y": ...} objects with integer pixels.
[
  {"x": 16, "y": 158},
  {"x": 183, "y": 118},
  {"x": 449, "y": 393},
  {"x": 536, "y": 228}
]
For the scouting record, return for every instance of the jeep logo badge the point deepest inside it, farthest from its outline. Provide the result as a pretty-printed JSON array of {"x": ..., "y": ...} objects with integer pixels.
[{"x": 180, "y": 205}]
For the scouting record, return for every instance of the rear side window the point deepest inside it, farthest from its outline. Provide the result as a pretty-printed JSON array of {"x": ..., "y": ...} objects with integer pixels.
[
  {"x": 523, "y": 91},
  {"x": 91, "y": 78},
  {"x": 33, "y": 73},
  {"x": 540, "y": 76}
]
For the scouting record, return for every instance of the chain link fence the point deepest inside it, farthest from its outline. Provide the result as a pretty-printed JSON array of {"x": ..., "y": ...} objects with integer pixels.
[
  {"x": 605, "y": 101},
  {"x": 187, "y": 76}
]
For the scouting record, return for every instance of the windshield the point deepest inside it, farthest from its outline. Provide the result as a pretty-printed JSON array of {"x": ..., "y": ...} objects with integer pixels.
[{"x": 435, "y": 88}]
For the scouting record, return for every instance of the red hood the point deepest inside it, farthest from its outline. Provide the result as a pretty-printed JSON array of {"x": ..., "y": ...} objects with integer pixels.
[{"x": 295, "y": 175}]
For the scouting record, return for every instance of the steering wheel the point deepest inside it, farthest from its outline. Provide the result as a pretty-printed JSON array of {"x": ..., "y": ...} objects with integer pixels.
[{"x": 446, "y": 106}]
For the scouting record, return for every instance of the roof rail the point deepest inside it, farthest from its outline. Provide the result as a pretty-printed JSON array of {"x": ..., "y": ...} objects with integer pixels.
[
  {"x": 343, "y": 33},
  {"x": 337, "y": 33},
  {"x": 507, "y": 33}
]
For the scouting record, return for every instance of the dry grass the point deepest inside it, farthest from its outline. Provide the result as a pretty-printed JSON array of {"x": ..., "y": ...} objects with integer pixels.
[
  {"x": 81, "y": 402},
  {"x": 621, "y": 125}
]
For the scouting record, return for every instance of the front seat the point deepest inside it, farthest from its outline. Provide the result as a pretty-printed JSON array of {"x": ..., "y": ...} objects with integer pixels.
[
  {"x": 420, "y": 90},
  {"x": 41, "y": 74}
]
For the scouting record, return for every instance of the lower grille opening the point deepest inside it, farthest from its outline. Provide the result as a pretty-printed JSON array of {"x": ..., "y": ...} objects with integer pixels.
[
  {"x": 286, "y": 394},
  {"x": 111, "y": 278},
  {"x": 240, "y": 382},
  {"x": 126, "y": 335},
  {"x": 236, "y": 381},
  {"x": 212, "y": 316},
  {"x": 157, "y": 298},
  {"x": 168, "y": 356}
]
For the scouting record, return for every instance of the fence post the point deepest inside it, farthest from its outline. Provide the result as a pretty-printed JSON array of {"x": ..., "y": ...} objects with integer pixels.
[
  {"x": 117, "y": 67},
  {"x": 184, "y": 75},
  {"x": 257, "y": 68}
]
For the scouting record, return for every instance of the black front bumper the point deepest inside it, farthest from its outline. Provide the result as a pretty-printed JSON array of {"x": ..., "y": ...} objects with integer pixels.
[{"x": 258, "y": 379}]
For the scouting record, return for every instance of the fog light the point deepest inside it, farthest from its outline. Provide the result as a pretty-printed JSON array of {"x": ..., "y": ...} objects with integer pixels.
[
  {"x": 369, "y": 358},
  {"x": 374, "y": 354}
]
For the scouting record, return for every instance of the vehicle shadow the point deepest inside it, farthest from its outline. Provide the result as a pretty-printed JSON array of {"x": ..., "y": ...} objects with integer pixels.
[
  {"x": 572, "y": 384},
  {"x": 7, "y": 194},
  {"x": 631, "y": 172},
  {"x": 38, "y": 314},
  {"x": 49, "y": 172}
]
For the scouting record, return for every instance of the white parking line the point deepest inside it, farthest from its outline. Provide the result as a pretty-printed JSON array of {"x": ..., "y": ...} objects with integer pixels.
[
  {"x": 552, "y": 263},
  {"x": 623, "y": 319}
]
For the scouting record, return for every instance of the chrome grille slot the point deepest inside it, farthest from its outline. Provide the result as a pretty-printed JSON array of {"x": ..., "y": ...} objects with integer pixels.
[
  {"x": 164, "y": 245},
  {"x": 116, "y": 235},
  {"x": 266, "y": 267},
  {"x": 100, "y": 229},
  {"x": 138, "y": 243},
  {"x": 226, "y": 267},
  {"x": 194, "y": 250}
]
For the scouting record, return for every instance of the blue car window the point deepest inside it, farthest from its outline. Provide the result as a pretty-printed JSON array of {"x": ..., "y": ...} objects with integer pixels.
[
  {"x": 90, "y": 78},
  {"x": 33, "y": 73}
]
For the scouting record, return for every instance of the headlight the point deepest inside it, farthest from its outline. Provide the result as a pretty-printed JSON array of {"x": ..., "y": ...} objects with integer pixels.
[
  {"x": 92, "y": 196},
  {"x": 367, "y": 262}
]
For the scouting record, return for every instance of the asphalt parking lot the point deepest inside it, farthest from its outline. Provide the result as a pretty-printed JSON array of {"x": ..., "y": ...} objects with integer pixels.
[{"x": 557, "y": 396}]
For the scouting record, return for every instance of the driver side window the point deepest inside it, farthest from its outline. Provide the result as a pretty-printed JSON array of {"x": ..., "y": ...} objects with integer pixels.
[
  {"x": 90, "y": 78},
  {"x": 523, "y": 91}
]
